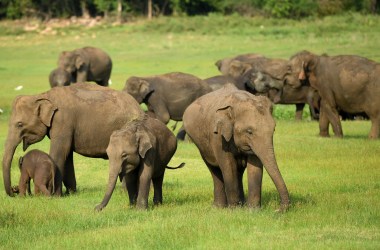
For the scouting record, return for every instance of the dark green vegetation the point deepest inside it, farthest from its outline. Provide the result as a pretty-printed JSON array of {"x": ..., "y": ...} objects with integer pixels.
[
  {"x": 333, "y": 183},
  {"x": 129, "y": 9}
]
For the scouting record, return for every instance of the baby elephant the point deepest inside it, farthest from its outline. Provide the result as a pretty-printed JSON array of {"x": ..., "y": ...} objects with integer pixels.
[
  {"x": 37, "y": 165},
  {"x": 139, "y": 153}
]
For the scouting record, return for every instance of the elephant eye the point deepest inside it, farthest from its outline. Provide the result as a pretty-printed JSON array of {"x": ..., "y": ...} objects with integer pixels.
[
  {"x": 250, "y": 131},
  {"x": 289, "y": 68},
  {"x": 19, "y": 125},
  {"x": 124, "y": 155}
]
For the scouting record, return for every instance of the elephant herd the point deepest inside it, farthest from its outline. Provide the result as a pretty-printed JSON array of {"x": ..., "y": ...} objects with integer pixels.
[{"x": 228, "y": 117}]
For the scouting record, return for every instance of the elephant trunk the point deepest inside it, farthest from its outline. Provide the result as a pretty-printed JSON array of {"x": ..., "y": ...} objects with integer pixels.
[
  {"x": 112, "y": 179},
  {"x": 10, "y": 148},
  {"x": 265, "y": 152}
]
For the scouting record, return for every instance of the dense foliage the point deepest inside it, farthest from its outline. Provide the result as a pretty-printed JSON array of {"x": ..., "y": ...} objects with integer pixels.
[{"x": 46, "y": 9}]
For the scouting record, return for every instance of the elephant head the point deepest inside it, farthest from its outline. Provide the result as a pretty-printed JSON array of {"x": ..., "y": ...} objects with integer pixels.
[
  {"x": 72, "y": 61},
  {"x": 59, "y": 77},
  {"x": 300, "y": 68},
  {"x": 238, "y": 69},
  {"x": 247, "y": 123},
  {"x": 138, "y": 88},
  {"x": 31, "y": 117},
  {"x": 264, "y": 84}
]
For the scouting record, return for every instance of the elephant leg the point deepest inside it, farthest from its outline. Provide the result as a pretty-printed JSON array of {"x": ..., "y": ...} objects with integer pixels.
[
  {"x": 220, "y": 198},
  {"x": 299, "y": 111},
  {"x": 60, "y": 148},
  {"x": 69, "y": 175},
  {"x": 333, "y": 117},
  {"x": 42, "y": 189},
  {"x": 157, "y": 184},
  {"x": 255, "y": 177},
  {"x": 145, "y": 178},
  {"x": 23, "y": 184},
  {"x": 131, "y": 183},
  {"x": 323, "y": 123},
  {"x": 375, "y": 127}
]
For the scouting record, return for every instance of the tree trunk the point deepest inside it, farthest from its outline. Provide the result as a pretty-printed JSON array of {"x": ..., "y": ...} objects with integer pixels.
[
  {"x": 373, "y": 6},
  {"x": 85, "y": 12},
  {"x": 149, "y": 9},
  {"x": 119, "y": 11}
]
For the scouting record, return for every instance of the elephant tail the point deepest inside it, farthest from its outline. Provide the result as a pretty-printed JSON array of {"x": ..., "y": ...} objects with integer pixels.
[{"x": 180, "y": 166}]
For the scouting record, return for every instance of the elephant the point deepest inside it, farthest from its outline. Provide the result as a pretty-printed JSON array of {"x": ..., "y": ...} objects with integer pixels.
[
  {"x": 280, "y": 93},
  {"x": 168, "y": 95},
  {"x": 139, "y": 152},
  {"x": 39, "y": 166},
  {"x": 77, "y": 118},
  {"x": 266, "y": 76},
  {"x": 233, "y": 130},
  {"x": 344, "y": 82},
  {"x": 223, "y": 65},
  {"x": 59, "y": 77},
  {"x": 86, "y": 64}
]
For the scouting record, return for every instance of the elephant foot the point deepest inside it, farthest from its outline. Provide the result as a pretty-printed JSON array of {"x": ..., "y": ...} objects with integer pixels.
[
  {"x": 324, "y": 134},
  {"x": 283, "y": 208}
]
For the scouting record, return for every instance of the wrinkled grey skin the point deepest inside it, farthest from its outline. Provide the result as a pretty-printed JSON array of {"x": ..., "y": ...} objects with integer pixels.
[
  {"x": 77, "y": 118},
  {"x": 59, "y": 77},
  {"x": 86, "y": 64},
  {"x": 266, "y": 77},
  {"x": 345, "y": 82},
  {"x": 36, "y": 165},
  {"x": 168, "y": 95},
  {"x": 139, "y": 152},
  {"x": 233, "y": 130}
]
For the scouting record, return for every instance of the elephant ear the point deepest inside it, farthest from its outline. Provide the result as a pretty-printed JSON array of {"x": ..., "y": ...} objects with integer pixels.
[
  {"x": 45, "y": 111},
  {"x": 79, "y": 61},
  {"x": 144, "y": 142},
  {"x": 224, "y": 122},
  {"x": 308, "y": 65},
  {"x": 238, "y": 68},
  {"x": 145, "y": 88}
]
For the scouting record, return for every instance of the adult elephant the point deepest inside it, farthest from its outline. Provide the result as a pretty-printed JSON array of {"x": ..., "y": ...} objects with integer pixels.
[
  {"x": 168, "y": 95},
  {"x": 345, "y": 82},
  {"x": 233, "y": 130},
  {"x": 78, "y": 118},
  {"x": 265, "y": 83},
  {"x": 267, "y": 76},
  {"x": 86, "y": 64}
]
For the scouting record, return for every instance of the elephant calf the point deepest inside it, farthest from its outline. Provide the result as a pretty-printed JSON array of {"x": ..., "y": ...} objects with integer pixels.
[
  {"x": 36, "y": 165},
  {"x": 140, "y": 153},
  {"x": 59, "y": 77}
]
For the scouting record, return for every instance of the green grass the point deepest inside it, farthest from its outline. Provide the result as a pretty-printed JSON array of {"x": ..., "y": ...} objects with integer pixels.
[{"x": 333, "y": 183}]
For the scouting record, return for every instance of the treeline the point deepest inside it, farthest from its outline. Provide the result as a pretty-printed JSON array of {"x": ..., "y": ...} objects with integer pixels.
[{"x": 124, "y": 9}]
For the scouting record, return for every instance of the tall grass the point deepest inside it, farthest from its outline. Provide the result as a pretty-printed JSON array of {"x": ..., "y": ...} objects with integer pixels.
[{"x": 333, "y": 183}]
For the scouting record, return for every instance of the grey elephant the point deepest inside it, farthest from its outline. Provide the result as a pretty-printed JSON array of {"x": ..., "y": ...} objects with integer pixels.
[
  {"x": 233, "y": 130},
  {"x": 266, "y": 76},
  {"x": 38, "y": 166},
  {"x": 345, "y": 82},
  {"x": 224, "y": 64},
  {"x": 78, "y": 118},
  {"x": 168, "y": 95},
  {"x": 59, "y": 77},
  {"x": 139, "y": 152},
  {"x": 86, "y": 64}
]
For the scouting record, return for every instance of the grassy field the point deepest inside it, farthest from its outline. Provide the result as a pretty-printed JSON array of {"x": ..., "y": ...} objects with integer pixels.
[{"x": 334, "y": 184}]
